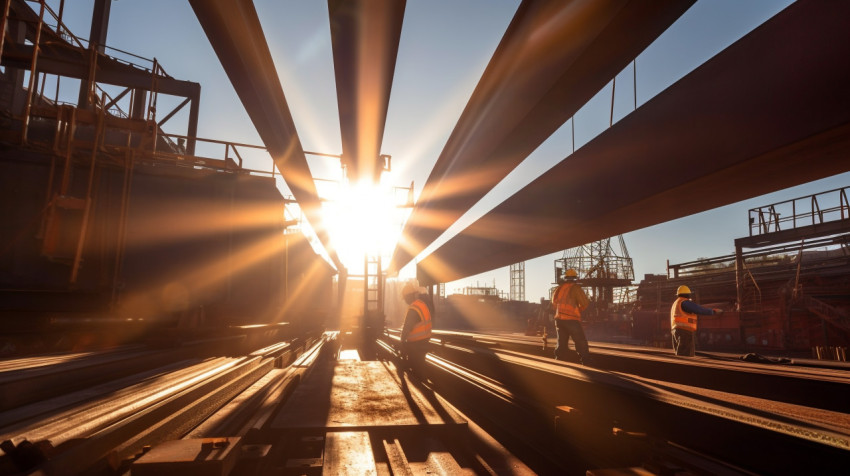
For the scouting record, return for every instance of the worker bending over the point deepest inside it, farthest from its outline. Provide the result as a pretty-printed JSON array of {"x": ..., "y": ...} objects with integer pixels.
[
  {"x": 569, "y": 301},
  {"x": 416, "y": 331},
  {"x": 683, "y": 321}
]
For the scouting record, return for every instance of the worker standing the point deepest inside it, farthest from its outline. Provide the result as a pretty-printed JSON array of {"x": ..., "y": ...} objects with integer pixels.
[
  {"x": 569, "y": 301},
  {"x": 416, "y": 331},
  {"x": 683, "y": 321}
]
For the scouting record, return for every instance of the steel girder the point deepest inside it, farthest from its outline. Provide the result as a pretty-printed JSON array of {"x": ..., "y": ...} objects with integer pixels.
[
  {"x": 552, "y": 59},
  {"x": 236, "y": 35},
  {"x": 365, "y": 36},
  {"x": 769, "y": 112}
]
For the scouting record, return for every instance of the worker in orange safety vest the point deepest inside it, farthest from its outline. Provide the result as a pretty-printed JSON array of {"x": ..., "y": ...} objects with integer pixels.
[
  {"x": 683, "y": 321},
  {"x": 569, "y": 301},
  {"x": 416, "y": 330}
]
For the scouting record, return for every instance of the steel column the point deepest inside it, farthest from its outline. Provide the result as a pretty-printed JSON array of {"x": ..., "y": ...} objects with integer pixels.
[{"x": 97, "y": 42}]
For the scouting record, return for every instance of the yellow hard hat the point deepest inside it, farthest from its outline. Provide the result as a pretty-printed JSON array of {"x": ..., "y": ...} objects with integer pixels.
[
  {"x": 570, "y": 273},
  {"x": 683, "y": 290},
  {"x": 408, "y": 289}
]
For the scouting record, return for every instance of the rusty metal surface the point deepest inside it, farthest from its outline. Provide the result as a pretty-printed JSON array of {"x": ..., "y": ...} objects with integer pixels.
[
  {"x": 602, "y": 410},
  {"x": 769, "y": 112},
  {"x": 552, "y": 59},
  {"x": 348, "y": 452},
  {"x": 236, "y": 35},
  {"x": 358, "y": 394},
  {"x": 208, "y": 456},
  {"x": 365, "y": 36},
  {"x": 792, "y": 384}
]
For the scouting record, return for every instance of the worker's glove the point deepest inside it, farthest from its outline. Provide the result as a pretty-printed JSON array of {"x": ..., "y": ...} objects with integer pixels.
[{"x": 718, "y": 311}]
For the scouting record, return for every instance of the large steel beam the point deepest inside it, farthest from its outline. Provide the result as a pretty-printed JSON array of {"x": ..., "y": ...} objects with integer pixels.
[
  {"x": 236, "y": 35},
  {"x": 365, "y": 36},
  {"x": 769, "y": 112},
  {"x": 552, "y": 59}
]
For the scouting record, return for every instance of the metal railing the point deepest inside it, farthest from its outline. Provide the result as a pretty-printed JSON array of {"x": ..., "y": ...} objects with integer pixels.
[
  {"x": 802, "y": 211},
  {"x": 65, "y": 33}
]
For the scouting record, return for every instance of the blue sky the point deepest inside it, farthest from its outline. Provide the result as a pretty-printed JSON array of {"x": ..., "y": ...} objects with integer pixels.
[{"x": 445, "y": 46}]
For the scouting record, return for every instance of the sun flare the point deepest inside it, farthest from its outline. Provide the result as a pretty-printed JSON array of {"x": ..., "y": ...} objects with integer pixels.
[{"x": 363, "y": 219}]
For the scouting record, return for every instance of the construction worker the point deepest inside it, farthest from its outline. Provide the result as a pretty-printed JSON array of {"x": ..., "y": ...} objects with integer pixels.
[
  {"x": 568, "y": 302},
  {"x": 683, "y": 321},
  {"x": 416, "y": 330}
]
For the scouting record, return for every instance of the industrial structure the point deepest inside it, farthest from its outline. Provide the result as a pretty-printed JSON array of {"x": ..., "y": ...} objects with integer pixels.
[
  {"x": 168, "y": 310},
  {"x": 788, "y": 291},
  {"x": 606, "y": 273}
]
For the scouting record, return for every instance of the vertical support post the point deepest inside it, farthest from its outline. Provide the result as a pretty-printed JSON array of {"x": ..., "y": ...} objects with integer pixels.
[
  {"x": 87, "y": 86},
  {"x": 89, "y": 199},
  {"x": 192, "y": 128},
  {"x": 230, "y": 261},
  {"x": 121, "y": 239},
  {"x": 151, "y": 112},
  {"x": 365, "y": 291},
  {"x": 573, "y": 128},
  {"x": 41, "y": 89},
  {"x": 97, "y": 44},
  {"x": 100, "y": 24},
  {"x": 17, "y": 32},
  {"x": 137, "y": 104},
  {"x": 739, "y": 277},
  {"x": 33, "y": 74},
  {"x": 5, "y": 20},
  {"x": 634, "y": 71},
  {"x": 340, "y": 291},
  {"x": 380, "y": 284},
  {"x": 613, "y": 90}
]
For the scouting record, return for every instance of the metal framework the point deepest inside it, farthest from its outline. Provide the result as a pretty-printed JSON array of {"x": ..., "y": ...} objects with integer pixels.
[
  {"x": 518, "y": 281},
  {"x": 603, "y": 271},
  {"x": 818, "y": 220},
  {"x": 64, "y": 55}
]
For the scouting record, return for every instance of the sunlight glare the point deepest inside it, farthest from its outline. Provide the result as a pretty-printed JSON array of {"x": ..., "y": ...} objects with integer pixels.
[{"x": 363, "y": 219}]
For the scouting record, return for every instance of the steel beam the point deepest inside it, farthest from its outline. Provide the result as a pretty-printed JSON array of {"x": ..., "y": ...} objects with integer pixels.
[
  {"x": 769, "y": 112},
  {"x": 236, "y": 35},
  {"x": 365, "y": 36},
  {"x": 54, "y": 59},
  {"x": 552, "y": 59}
]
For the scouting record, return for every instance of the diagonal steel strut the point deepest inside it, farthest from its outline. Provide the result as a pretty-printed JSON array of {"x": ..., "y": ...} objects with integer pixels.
[
  {"x": 769, "y": 112},
  {"x": 552, "y": 59},
  {"x": 236, "y": 35}
]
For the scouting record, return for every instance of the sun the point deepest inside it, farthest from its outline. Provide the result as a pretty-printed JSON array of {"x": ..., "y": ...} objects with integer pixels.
[{"x": 363, "y": 219}]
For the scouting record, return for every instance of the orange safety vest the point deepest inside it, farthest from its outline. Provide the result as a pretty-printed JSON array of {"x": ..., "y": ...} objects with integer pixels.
[
  {"x": 679, "y": 319},
  {"x": 422, "y": 329},
  {"x": 565, "y": 306}
]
